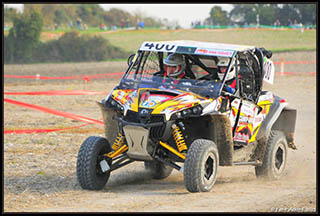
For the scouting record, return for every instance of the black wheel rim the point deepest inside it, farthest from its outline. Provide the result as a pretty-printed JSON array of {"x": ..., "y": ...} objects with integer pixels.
[
  {"x": 209, "y": 169},
  {"x": 279, "y": 158}
]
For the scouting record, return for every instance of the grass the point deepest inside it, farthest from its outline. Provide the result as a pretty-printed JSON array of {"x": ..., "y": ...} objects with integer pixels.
[
  {"x": 272, "y": 40},
  {"x": 275, "y": 40}
]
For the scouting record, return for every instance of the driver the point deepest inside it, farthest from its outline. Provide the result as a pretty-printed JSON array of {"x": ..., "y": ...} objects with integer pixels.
[
  {"x": 174, "y": 66},
  {"x": 222, "y": 65}
]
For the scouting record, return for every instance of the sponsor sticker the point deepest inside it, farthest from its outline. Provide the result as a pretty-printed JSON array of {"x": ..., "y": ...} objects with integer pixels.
[{"x": 215, "y": 52}]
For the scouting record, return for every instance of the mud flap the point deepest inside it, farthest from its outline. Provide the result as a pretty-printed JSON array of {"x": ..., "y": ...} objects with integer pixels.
[
  {"x": 224, "y": 139},
  {"x": 111, "y": 128},
  {"x": 290, "y": 139}
]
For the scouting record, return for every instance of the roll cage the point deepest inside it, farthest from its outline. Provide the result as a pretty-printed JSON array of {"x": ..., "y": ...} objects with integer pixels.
[{"x": 250, "y": 61}]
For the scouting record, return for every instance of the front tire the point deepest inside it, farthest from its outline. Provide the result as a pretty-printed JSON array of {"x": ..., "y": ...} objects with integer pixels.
[
  {"x": 89, "y": 173},
  {"x": 275, "y": 158},
  {"x": 201, "y": 166},
  {"x": 157, "y": 169}
]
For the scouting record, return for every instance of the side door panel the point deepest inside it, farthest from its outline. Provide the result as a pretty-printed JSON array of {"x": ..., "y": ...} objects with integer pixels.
[{"x": 243, "y": 127}]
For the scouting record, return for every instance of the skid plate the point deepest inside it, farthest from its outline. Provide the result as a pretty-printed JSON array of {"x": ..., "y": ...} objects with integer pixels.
[{"x": 137, "y": 140}]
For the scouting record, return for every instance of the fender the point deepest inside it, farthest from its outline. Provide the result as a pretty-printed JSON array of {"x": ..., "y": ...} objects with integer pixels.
[
  {"x": 110, "y": 125},
  {"x": 281, "y": 118}
]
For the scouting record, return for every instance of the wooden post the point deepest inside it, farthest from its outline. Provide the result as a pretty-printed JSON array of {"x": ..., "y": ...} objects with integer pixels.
[
  {"x": 37, "y": 78},
  {"x": 281, "y": 66},
  {"x": 86, "y": 80}
]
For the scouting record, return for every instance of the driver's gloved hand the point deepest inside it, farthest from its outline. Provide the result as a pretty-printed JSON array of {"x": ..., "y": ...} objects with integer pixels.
[{"x": 228, "y": 89}]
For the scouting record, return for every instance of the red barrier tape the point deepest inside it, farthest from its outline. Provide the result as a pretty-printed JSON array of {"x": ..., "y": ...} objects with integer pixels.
[
  {"x": 297, "y": 73},
  {"x": 296, "y": 62},
  {"x": 28, "y": 131},
  {"x": 66, "y": 92},
  {"x": 84, "y": 77},
  {"x": 55, "y": 112}
]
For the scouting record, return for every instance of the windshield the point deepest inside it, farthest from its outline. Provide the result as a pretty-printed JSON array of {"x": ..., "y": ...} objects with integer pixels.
[{"x": 199, "y": 76}]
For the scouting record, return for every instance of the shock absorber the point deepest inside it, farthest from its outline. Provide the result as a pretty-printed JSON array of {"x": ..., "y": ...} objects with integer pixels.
[
  {"x": 179, "y": 138},
  {"x": 118, "y": 146},
  {"x": 118, "y": 142}
]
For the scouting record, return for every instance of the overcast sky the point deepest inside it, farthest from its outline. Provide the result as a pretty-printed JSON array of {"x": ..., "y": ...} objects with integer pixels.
[{"x": 184, "y": 14}]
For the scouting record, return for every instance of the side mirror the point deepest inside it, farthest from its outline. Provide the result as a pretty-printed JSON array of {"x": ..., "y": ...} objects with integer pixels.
[{"x": 129, "y": 61}]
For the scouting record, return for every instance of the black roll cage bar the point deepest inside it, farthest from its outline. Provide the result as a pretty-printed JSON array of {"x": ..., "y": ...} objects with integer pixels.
[{"x": 259, "y": 52}]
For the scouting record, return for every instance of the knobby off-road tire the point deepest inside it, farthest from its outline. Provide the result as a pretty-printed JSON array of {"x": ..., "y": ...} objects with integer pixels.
[
  {"x": 201, "y": 166},
  {"x": 275, "y": 158},
  {"x": 157, "y": 169},
  {"x": 89, "y": 173}
]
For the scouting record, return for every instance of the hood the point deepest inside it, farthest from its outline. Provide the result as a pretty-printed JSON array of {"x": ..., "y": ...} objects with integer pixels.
[{"x": 168, "y": 101}]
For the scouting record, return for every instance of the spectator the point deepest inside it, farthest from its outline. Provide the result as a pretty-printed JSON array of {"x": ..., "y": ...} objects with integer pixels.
[
  {"x": 127, "y": 23},
  {"x": 103, "y": 27},
  {"x": 277, "y": 23},
  {"x": 79, "y": 23},
  {"x": 122, "y": 23}
]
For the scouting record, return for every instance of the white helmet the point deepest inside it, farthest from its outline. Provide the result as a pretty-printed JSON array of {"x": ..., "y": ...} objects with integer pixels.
[
  {"x": 175, "y": 60},
  {"x": 222, "y": 66}
]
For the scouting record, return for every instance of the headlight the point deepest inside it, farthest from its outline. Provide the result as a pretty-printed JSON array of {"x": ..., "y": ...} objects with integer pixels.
[
  {"x": 190, "y": 112},
  {"x": 113, "y": 104}
]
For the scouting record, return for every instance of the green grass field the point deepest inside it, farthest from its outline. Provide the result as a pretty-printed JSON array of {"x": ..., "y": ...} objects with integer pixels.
[{"x": 277, "y": 41}]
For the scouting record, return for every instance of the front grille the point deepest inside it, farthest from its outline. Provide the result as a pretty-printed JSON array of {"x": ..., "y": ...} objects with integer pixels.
[
  {"x": 156, "y": 131},
  {"x": 156, "y": 118},
  {"x": 132, "y": 117}
]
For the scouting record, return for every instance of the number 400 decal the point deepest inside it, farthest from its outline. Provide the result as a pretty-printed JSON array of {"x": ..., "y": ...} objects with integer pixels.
[{"x": 149, "y": 46}]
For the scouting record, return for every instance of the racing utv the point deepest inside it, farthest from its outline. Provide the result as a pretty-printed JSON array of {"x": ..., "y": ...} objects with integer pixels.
[{"x": 192, "y": 124}]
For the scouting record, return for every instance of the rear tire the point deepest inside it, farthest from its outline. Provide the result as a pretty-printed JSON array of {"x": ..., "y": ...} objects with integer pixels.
[
  {"x": 89, "y": 173},
  {"x": 157, "y": 169},
  {"x": 275, "y": 158},
  {"x": 201, "y": 166}
]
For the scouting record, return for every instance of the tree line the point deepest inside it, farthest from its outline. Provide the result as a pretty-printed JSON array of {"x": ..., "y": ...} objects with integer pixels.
[
  {"x": 23, "y": 44},
  {"x": 92, "y": 15},
  {"x": 264, "y": 14}
]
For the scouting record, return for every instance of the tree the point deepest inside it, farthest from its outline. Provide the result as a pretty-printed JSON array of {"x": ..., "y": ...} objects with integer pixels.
[
  {"x": 266, "y": 14},
  {"x": 90, "y": 13},
  {"x": 307, "y": 12},
  {"x": 60, "y": 17},
  {"x": 9, "y": 14},
  {"x": 23, "y": 37},
  {"x": 288, "y": 12},
  {"x": 219, "y": 16},
  {"x": 243, "y": 13}
]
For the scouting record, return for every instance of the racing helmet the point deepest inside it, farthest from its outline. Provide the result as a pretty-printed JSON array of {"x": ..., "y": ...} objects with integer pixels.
[
  {"x": 174, "y": 64},
  {"x": 222, "y": 64}
]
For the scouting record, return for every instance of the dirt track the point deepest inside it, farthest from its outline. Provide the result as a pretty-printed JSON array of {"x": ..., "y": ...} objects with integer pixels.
[{"x": 39, "y": 169}]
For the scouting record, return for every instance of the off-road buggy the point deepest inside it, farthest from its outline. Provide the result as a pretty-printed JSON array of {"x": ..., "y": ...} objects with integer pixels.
[{"x": 195, "y": 124}]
